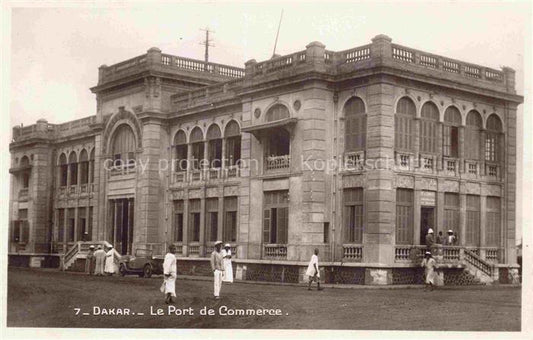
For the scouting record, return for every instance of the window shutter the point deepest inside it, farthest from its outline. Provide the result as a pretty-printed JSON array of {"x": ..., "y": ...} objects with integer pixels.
[
  {"x": 283, "y": 222},
  {"x": 266, "y": 226},
  {"x": 16, "y": 231},
  {"x": 25, "y": 235}
]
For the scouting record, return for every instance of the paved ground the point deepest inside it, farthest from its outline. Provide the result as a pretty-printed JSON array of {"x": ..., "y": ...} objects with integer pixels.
[{"x": 47, "y": 298}]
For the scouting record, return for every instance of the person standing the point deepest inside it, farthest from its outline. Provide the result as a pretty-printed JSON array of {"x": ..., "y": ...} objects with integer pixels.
[
  {"x": 429, "y": 239},
  {"x": 170, "y": 272},
  {"x": 429, "y": 264},
  {"x": 89, "y": 261},
  {"x": 99, "y": 256},
  {"x": 312, "y": 271},
  {"x": 440, "y": 238},
  {"x": 218, "y": 268},
  {"x": 110, "y": 261},
  {"x": 226, "y": 261},
  {"x": 450, "y": 238}
]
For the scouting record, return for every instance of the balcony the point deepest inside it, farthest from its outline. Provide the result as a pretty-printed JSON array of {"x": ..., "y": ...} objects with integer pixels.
[
  {"x": 492, "y": 170},
  {"x": 352, "y": 252},
  {"x": 451, "y": 166},
  {"x": 275, "y": 251},
  {"x": 354, "y": 161},
  {"x": 277, "y": 163},
  {"x": 23, "y": 194}
]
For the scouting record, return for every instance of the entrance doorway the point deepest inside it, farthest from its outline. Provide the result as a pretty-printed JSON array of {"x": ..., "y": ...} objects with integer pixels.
[
  {"x": 121, "y": 213},
  {"x": 427, "y": 220}
]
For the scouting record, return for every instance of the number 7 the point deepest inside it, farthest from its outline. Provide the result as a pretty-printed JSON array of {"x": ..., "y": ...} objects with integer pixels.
[{"x": 77, "y": 310}]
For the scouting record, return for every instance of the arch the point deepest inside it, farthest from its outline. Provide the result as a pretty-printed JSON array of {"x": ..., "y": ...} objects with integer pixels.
[
  {"x": 406, "y": 106},
  {"x": 180, "y": 138},
  {"x": 62, "y": 160},
  {"x": 24, "y": 161},
  {"x": 116, "y": 120},
  {"x": 277, "y": 112},
  {"x": 196, "y": 135},
  {"x": 123, "y": 141},
  {"x": 353, "y": 106},
  {"x": 494, "y": 123},
  {"x": 84, "y": 156},
  {"x": 72, "y": 159},
  {"x": 473, "y": 119},
  {"x": 91, "y": 156},
  {"x": 452, "y": 116},
  {"x": 430, "y": 111},
  {"x": 232, "y": 129},
  {"x": 213, "y": 132}
]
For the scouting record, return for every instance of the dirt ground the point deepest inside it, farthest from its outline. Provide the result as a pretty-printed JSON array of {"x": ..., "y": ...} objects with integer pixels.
[{"x": 47, "y": 298}]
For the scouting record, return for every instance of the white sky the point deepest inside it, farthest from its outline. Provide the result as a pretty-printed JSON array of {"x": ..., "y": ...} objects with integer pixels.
[{"x": 55, "y": 52}]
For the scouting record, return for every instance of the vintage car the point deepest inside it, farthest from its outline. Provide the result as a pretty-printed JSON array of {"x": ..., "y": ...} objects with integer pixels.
[{"x": 143, "y": 263}]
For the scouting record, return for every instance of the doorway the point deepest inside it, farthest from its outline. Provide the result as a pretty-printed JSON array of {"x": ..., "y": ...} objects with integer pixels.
[
  {"x": 122, "y": 224},
  {"x": 427, "y": 220}
]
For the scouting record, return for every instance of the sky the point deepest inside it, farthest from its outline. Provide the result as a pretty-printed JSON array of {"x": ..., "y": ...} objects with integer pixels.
[{"x": 54, "y": 52}]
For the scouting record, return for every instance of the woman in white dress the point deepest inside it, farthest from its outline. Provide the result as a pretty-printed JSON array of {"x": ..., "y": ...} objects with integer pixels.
[
  {"x": 429, "y": 264},
  {"x": 227, "y": 275},
  {"x": 170, "y": 272},
  {"x": 110, "y": 261}
]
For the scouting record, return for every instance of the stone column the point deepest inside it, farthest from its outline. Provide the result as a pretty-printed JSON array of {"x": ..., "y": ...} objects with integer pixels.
[
  {"x": 416, "y": 216},
  {"x": 65, "y": 228},
  {"x": 483, "y": 224},
  {"x": 76, "y": 217},
  {"x": 202, "y": 225},
  {"x": 483, "y": 136},
  {"x": 185, "y": 223},
  {"x": 461, "y": 141},
  {"x": 438, "y": 162},
  {"x": 416, "y": 141},
  {"x": 220, "y": 220},
  {"x": 440, "y": 213}
]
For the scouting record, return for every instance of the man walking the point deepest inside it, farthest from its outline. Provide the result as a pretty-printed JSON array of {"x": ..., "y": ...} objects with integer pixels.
[
  {"x": 429, "y": 264},
  {"x": 99, "y": 256},
  {"x": 170, "y": 272},
  {"x": 312, "y": 271},
  {"x": 89, "y": 261},
  {"x": 218, "y": 268}
]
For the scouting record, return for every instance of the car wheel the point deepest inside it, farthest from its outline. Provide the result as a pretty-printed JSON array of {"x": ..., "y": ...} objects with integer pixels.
[
  {"x": 122, "y": 270},
  {"x": 147, "y": 271}
]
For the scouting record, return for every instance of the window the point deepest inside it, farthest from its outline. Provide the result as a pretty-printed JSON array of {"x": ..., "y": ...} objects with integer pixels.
[
  {"x": 20, "y": 231},
  {"x": 492, "y": 140},
  {"x": 493, "y": 222},
  {"x": 404, "y": 125},
  {"x": 472, "y": 220},
  {"x": 451, "y": 211},
  {"x": 428, "y": 128},
  {"x": 73, "y": 165},
  {"x": 450, "y": 136},
  {"x": 276, "y": 217},
  {"x": 197, "y": 147},
  {"x": 404, "y": 216},
  {"x": 355, "y": 125},
  {"x": 71, "y": 222},
  {"x": 353, "y": 215},
  {"x": 178, "y": 221},
  {"x": 214, "y": 146},
  {"x": 278, "y": 143},
  {"x": 180, "y": 144},
  {"x": 233, "y": 143},
  {"x": 194, "y": 220},
  {"x": 473, "y": 135},
  {"x": 82, "y": 225},
  {"x": 230, "y": 220},
  {"x": 84, "y": 167},
  {"x": 277, "y": 112},
  {"x": 89, "y": 230},
  {"x": 211, "y": 205},
  {"x": 63, "y": 170},
  {"x": 25, "y": 180},
  {"x": 123, "y": 146},
  {"x": 91, "y": 167},
  {"x": 60, "y": 225}
]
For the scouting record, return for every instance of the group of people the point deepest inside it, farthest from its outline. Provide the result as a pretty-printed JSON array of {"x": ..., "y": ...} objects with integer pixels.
[
  {"x": 220, "y": 264},
  {"x": 429, "y": 262},
  {"x": 448, "y": 240},
  {"x": 100, "y": 262}
]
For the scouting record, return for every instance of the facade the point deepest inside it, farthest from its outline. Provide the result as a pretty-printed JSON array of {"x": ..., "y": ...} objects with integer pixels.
[{"x": 357, "y": 153}]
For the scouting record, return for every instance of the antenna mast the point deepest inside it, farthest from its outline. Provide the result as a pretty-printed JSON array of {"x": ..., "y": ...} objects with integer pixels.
[
  {"x": 277, "y": 34},
  {"x": 207, "y": 44}
]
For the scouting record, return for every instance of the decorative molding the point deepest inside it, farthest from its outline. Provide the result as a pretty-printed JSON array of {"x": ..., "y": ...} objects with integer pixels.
[
  {"x": 471, "y": 188},
  {"x": 426, "y": 184},
  {"x": 231, "y": 191},
  {"x": 449, "y": 186},
  {"x": 491, "y": 190},
  {"x": 353, "y": 181},
  {"x": 405, "y": 182}
]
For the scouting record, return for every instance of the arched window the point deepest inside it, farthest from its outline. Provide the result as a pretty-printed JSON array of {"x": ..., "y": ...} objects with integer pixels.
[
  {"x": 492, "y": 139},
  {"x": 277, "y": 112},
  {"x": 91, "y": 167},
  {"x": 73, "y": 165},
  {"x": 428, "y": 128},
  {"x": 214, "y": 147},
  {"x": 180, "y": 143},
  {"x": 197, "y": 147},
  {"x": 450, "y": 135},
  {"x": 123, "y": 146},
  {"x": 63, "y": 170},
  {"x": 84, "y": 167},
  {"x": 355, "y": 127},
  {"x": 473, "y": 135},
  {"x": 232, "y": 134},
  {"x": 404, "y": 125}
]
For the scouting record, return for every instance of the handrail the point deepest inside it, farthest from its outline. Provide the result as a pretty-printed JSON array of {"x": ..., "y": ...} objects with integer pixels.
[{"x": 478, "y": 262}]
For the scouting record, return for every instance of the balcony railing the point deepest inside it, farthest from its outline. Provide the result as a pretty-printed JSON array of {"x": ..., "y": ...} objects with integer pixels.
[
  {"x": 492, "y": 170},
  {"x": 409, "y": 253},
  {"x": 471, "y": 167},
  {"x": 277, "y": 162},
  {"x": 450, "y": 166},
  {"x": 194, "y": 249},
  {"x": 23, "y": 194},
  {"x": 275, "y": 251},
  {"x": 354, "y": 161},
  {"x": 352, "y": 252}
]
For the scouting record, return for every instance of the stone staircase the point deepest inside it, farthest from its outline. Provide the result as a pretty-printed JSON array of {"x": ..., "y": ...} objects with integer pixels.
[{"x": 79, "y": 252}]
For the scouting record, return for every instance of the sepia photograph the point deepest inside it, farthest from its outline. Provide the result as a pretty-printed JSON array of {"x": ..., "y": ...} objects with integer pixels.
[{"x": 266, "y": 169}]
